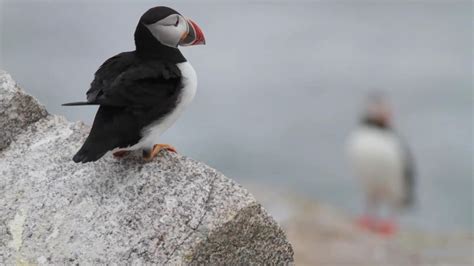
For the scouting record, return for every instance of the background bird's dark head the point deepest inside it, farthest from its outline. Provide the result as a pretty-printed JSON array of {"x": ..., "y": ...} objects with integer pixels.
[
  {"x": 163, "y": 26},
  {"x": 378, "y": 112}
]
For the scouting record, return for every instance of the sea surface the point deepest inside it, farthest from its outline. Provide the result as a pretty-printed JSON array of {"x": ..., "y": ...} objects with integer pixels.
[{"x": 281, "y": 86}]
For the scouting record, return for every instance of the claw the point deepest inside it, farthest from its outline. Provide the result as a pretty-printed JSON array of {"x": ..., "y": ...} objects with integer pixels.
[{"x": 156, "y": 149}]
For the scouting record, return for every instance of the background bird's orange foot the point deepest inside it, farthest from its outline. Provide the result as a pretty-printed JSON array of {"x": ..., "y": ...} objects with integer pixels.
[
  {"x": 149, "y": 155},
  {"x": 386, "y": 228},
  {"x": 120, "y": 154}
]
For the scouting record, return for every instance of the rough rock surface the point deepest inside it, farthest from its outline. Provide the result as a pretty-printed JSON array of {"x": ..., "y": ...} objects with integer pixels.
[
  {"x": 17, "y": 109},
  {"x": 173, "y": 210}
]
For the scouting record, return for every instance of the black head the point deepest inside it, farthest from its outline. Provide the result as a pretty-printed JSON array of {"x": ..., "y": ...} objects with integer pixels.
[
  {"x": 161, "y": 30},
  {"x": 378, "y": 112},
  {"x": 156, "y": 14}
]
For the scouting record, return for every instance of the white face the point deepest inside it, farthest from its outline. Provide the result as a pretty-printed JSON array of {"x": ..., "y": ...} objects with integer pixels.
[
  {"x": 379, "y": 111},
  {"x": 170, "y": 30}
]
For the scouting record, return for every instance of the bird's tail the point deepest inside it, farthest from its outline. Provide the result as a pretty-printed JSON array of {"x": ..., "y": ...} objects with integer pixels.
[
  {"x": 78, "y": 104},
  {"x": 85, "y": 155},
  {"x": 91, "y": 151},
  {"x": 408, "y": 200}
]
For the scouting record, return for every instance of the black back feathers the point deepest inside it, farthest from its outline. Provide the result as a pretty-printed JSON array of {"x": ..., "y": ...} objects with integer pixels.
[{"x": 132, "y": 93}]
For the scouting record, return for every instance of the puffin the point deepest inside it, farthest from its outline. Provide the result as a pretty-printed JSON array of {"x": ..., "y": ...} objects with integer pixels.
[
  {"x": 383, "y": 163},
  {"x": 142, "y": 93}
]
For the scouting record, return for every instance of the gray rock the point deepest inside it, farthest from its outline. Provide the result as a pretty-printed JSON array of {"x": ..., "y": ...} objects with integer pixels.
[
  {"x": 17, "y": 109},
  {"x": 173, "y": 210}
]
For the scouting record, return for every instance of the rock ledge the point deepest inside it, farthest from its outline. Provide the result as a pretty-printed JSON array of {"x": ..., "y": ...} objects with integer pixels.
[{"x": 173, "y": 210}]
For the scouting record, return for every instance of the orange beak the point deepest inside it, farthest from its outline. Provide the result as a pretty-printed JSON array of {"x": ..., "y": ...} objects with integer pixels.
[{"x": 194, "y": 36}]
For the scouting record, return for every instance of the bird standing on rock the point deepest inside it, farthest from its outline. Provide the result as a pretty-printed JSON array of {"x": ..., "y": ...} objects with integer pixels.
[{"x": 142, "y": 93}]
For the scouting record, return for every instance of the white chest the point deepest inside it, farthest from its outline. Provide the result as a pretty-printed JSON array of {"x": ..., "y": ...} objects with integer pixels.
[
  {"x": 152, "y": 133},
  {"x": 189, "y": 83},
  {"x": 376, "y": 153}
]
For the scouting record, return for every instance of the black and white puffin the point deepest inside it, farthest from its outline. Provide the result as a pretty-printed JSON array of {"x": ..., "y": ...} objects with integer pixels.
[
  {"x": 142, "y": 93},
  {"x": 381, "y": 160}
]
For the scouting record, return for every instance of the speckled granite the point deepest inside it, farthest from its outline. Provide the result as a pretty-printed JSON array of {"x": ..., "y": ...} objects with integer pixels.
[
  {"x": 17, "y": 109},
  {"x": 173, "y": 210}
]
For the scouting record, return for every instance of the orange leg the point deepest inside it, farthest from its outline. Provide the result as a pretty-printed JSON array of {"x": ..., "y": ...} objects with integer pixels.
[
  {"x": 156, "y": 149},
  {"x": 120, "y": 154},
  {"x": 386, "y": 227},
  {"x": 366, "y": 222}
]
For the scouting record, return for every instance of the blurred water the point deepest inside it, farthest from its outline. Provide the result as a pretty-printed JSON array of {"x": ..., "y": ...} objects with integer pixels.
[{"x": 281, "y": 85}]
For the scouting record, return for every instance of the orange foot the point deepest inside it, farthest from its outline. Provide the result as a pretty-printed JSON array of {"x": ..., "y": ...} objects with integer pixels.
[
  {"x": 120, "y": 154},
  {"x": 149, "y": 155},
  {"x": 386, "y": 228},
  {"x": 366, "y": 222}
]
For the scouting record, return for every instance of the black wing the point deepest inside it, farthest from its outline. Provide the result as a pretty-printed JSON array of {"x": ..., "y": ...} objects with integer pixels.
[
  {"x": 132, "y": 94},
  {"x": 409, "y": 175},
  {"x": 108, "y": 73}
]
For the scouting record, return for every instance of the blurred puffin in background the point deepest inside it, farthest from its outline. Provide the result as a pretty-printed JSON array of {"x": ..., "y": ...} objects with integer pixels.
[
  {"x": 142, "y": 93},
  {"x": 383, "y": 163}
]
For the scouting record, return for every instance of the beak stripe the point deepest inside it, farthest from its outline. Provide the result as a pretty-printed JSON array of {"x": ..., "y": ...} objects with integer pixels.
[
  {"x": 194, "y": 35},
  {"x": 199, "y": 34}
]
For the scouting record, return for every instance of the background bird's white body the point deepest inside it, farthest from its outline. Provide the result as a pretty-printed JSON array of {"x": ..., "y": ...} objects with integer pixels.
[
  {"x": 152, "y": 133},
  {"x": 377, "y": 159}
]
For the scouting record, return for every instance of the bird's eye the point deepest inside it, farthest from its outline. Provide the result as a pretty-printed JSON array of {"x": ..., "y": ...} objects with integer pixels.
[{"x": 177, "y": 22}]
